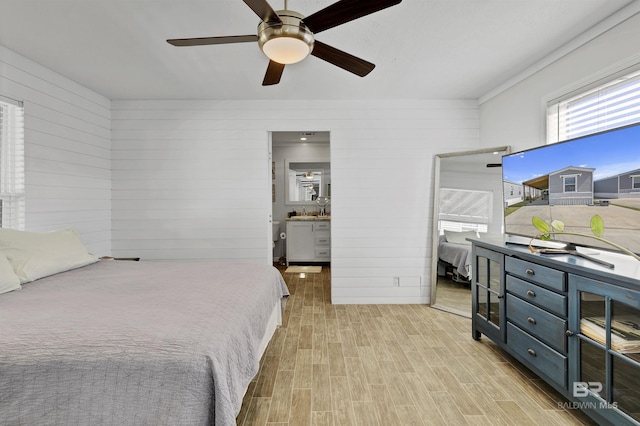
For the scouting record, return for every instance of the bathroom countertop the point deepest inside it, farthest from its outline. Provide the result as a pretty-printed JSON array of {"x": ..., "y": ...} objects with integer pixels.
[{"x": 299, "y": 218}]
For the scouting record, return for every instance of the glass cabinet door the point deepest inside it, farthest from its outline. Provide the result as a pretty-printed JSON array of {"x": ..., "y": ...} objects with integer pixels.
[
  {"x": 625, "y": 360},
  {"x": 605, "y": 374},
  {"x": 488, "y": 314},
  {"x": 592, "y": 348}
]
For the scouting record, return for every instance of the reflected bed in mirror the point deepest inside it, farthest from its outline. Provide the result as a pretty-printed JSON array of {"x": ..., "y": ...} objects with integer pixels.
[{"x": 307, "y": 180}]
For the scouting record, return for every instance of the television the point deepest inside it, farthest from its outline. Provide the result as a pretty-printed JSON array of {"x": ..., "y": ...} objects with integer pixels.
[{"x": 574, "y": 180}]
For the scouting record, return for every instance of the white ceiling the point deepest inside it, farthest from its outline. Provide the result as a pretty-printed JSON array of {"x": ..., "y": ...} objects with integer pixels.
[{"x": 423, "y": 49}]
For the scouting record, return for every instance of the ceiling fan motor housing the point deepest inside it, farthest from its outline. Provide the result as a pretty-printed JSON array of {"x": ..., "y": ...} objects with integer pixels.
[{"x": 287, "y": 42}]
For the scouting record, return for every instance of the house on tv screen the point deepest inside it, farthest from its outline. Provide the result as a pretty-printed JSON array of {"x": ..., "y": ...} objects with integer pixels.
[
  {"x": 569, "y": 186},
  {"x": 624, "y": 185}
]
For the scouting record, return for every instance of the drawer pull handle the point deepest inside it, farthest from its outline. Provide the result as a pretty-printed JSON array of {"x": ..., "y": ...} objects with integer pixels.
[
  {"x": 531, "y": 320},
  {"x": 531, "y": 352},
  {"x": 530, "y": 272},
  {"x": 531, "y": 293},
  {"x": 569, "y": 333}
]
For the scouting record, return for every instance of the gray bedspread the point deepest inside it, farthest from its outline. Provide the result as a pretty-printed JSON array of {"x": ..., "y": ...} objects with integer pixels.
[
  {"x": 134, "y": 343},
  {"x": 459, "y": 255}
]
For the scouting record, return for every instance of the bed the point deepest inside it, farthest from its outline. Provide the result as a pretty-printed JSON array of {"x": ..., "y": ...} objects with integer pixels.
[
  {"x": 122, "y": 342},
  {"x": 453, "y": 249}
]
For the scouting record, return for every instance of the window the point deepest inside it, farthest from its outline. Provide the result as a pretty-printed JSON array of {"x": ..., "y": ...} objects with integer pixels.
[
  {"x": 635, "y": 182},
  {"x": 11, "y": 164},
  {"x": 464, "y": 210},
  {"x": 446, "y": 225},
  {"x": 569, "y": 183},
  {"x": 602, "y": 106}
]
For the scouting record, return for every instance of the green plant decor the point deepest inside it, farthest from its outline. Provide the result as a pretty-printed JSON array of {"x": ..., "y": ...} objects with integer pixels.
[{"x": 557, "y": 228}]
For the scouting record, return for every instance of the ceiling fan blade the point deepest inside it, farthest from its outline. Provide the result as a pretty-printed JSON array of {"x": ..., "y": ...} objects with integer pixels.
[
  {"x": 263, "y": 10},
  {"x": 344, "y": 11},
  {"x": 342, "y": 59},
  {"x": 201, "y": 41},
  {"x": 274, "y": 72}
]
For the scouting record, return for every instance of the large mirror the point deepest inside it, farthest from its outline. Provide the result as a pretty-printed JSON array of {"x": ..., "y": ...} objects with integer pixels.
[
  {"x": 306, "y": 180},
  {"x": 467, "y": 202}
]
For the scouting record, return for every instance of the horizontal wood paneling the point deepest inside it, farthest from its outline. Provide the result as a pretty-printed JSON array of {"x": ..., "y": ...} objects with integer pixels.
[
  {"x": 67, "y": 150},
  {"x": 191, "y": 179}
]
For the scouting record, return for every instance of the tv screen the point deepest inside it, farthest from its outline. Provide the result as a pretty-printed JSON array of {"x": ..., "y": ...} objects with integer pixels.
[{"x": 574, "y": 180}]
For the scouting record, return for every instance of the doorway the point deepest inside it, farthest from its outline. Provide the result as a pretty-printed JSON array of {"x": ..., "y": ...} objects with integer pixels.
[
  {"x": 303, "y": 153},
  {"x": 467, "y": 201}
]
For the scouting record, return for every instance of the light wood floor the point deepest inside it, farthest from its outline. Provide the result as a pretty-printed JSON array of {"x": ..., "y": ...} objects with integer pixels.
[
  {"x": 454, "y": 295},
  {"x": 389, "y": 365}
]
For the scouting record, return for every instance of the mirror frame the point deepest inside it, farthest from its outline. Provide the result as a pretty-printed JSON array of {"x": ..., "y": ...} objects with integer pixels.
[
  {"x": 434, "y": 225},
  {"x": 288, "y": 202}
]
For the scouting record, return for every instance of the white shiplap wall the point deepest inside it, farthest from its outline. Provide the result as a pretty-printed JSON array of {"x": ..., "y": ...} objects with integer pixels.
[
  {"x": 191, "y": 180},
  {"x": 67, "y": 150}
]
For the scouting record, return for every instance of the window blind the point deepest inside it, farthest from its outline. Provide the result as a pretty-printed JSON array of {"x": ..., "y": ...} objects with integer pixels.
[
  {"x": 445, "y": 225},
  {"x": 606, "y": 106},
  {"x": 12, "y": 185},
  {"x": 464, "y": 205}
]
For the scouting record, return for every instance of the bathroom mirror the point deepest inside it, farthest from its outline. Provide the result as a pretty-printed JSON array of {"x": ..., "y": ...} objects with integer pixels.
[{"x": 306, "y": 180}]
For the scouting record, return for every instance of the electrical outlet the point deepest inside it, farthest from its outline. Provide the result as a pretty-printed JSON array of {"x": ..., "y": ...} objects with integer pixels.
[{"x": 396, "y": 281}]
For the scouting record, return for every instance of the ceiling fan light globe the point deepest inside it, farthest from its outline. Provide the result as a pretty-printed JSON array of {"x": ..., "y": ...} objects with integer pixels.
[
  {"x": 287, "y": 42},
  {"x": 286, "y": 50}
]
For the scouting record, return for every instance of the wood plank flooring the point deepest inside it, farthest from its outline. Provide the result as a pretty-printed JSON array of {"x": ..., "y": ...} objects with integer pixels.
[
  {"x": 453, "y": 295},
  {"x": 389, "y": 365}
]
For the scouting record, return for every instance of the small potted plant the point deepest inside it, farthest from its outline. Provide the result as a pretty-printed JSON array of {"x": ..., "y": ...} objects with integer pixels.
[{"x": 557, "y": 228}]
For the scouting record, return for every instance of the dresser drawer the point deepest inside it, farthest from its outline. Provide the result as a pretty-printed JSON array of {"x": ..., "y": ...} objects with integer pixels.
[
  {"x": 536, "y": 353},
  {"x": 538, "y": 322},
  {"x": 554, "y": 302},
  {"x": 539, "y": 274}
]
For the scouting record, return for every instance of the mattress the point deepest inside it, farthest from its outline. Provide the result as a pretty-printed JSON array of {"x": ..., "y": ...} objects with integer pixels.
[{"x": 117, "y": 342}]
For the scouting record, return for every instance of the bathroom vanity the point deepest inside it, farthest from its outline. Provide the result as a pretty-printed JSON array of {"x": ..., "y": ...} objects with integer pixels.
[{"x": 308, "y": 239}]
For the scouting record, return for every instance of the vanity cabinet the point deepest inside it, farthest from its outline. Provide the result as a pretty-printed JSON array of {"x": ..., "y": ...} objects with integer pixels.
[
  {"x": 308, "y": 241},
  {"x": 572, "y": 322}
]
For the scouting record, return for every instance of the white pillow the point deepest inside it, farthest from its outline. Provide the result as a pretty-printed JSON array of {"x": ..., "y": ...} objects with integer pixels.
[
  {"x": 35, "y": 255},
  {"x": 8, "y": 279},
  {"x": 460, "y": 237}
]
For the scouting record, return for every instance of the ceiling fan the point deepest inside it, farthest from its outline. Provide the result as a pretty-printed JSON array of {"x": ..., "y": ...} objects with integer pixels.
[{"x": 287, "y": 37}]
